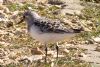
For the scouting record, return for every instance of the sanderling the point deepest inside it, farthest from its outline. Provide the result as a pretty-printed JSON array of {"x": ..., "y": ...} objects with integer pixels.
[{"x": 47, "y": 30}]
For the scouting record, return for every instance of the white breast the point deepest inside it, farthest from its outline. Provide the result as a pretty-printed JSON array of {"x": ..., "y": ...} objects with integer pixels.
[{"x": 49, "y": 37}]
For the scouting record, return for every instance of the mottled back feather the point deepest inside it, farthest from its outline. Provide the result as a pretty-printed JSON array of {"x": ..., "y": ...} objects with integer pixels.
[
  {"x": 51, "y": 26},
  {"x": 48, "y": 25}
]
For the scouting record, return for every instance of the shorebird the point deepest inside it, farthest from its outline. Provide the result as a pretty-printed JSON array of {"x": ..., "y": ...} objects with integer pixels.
[{"x": 47, "y": 30}]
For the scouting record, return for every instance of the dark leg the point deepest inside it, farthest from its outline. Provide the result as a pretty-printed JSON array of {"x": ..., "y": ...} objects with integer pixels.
[
  {"x": 46, "y": 53},
  {"x": 57, "y": 48}
]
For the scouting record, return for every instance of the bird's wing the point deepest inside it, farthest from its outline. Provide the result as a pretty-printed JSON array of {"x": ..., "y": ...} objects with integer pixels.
[{"x": 51, "y": 26}]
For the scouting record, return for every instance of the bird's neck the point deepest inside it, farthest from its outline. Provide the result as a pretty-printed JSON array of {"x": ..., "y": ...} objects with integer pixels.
[{"x": 30, "y": 21}]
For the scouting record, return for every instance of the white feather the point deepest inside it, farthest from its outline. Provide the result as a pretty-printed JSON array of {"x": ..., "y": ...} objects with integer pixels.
[{"x": 49, "y": 37}]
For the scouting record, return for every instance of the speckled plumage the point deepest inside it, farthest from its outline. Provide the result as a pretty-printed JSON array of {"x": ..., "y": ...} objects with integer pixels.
[
  {"x": 48, "y": 25},
  {"x": 47, "y": 30}
]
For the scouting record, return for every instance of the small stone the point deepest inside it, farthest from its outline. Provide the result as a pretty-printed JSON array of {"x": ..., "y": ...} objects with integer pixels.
[
  {"x": 96, "y": 39},
  {"x": 66, "y": 51},
  {"x": 90, "y": 41},
  {"x": 9, "y": 24},
  {"x": 30, "y": 8},
  {"x": 82, "y": 55},
  {"x": 6, "y": 10},
  {"x": 50, "y": 53},
  {"x": 1, "y": 61},
  {"x": 98, "y": 48},
  {"x": 73, "y": 21},
  {"x": 36, "y": 51},
  {"x": 30, "y": 59},
  {"x": 56, "y": 2}
]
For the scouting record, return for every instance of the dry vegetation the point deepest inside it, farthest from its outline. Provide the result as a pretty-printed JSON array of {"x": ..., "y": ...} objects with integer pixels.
[{"x": 16, "y": 44}]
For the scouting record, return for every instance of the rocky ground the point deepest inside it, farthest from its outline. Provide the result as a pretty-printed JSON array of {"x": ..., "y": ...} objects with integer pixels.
[{"x": 18, "y": 49}]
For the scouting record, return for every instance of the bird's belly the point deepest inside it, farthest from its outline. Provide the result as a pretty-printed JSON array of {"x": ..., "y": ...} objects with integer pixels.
[
  {"x": 50, "y": 37},
  {"x": 53, "y": 37}
]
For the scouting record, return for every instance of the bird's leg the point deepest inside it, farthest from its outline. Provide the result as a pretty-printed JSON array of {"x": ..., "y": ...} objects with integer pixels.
[
  {"x": 46, "y": 53},
  {"x": 57, "y": 48}
]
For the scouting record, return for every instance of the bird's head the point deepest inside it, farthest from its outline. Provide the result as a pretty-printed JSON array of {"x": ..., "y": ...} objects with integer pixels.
[{"x": 29, "y": 16}]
